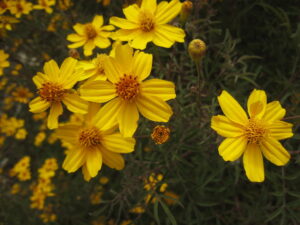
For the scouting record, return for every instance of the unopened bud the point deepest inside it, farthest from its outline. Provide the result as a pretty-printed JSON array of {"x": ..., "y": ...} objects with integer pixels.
[
  {"x": 186, "y": 10},
  {"x": 197, "y": 49},
  {"x": 74, "y": 53}
]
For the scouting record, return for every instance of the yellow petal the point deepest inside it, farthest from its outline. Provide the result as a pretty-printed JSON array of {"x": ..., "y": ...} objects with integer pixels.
[
  {"x": 93, "y": 161},
  {"x": 125, "y": 35},
  {"x": 102, "y": 42},
  {"x": 142, "y": 65},
  {"x": 39, "y": 79},
  {"x": 117, "y": 143},
  {"x": 124, "y": 55},
  {"x": 225, "y": 127},
  {"x": 113, "y": 160},
  {"x": 88, "y": 48},
  {"x": 132, "y": 12},
  {"x": 254, "y": 164},
  {"x": 38, "y": 105},
  {"x": 52, "y": 70},
  {"x": 165, "y": 35},
  {"x": 160, "y": 88},
  {"x": 154, "y": 108},
  {"x": 86, "y": 174},
  {"x": 79, "y": 28},
  {"x": 167, "y": 11},
  {"x": 274, "y": 111},
  {"x": 232, "y": 109},
  {"x": 128, "y": 118},
  {"x": 108, "y": 28},
  {"x": 92, "y": 111},
  {"x": 68, "y": 133},
  {"x": 149, "y": 5},
  {"x": 55, "y": 111},
  {"x": 77, "y": 44},
  {"x": 280, "y": 130},
  {"x": 274, "y": 151},
  {"x": 98, "y": 21},
  {"x": 69, "y": 82},
  {"x": 98, "y": 91},
  {"x": 232, "y": 148},
  {"x": 75, "y": 104},
  {"x": 74, "y": 160},
  {"x": 113, "y": 70},
  {"x": 67, "y": 69},
  {"x": 257, "y": 103},
  {"x": 141, "y": 40},
  {"x": 123, "y": 23},
  {"x": 106, "y": 118},
  {"x": 162, "y": 39},
  {"x": 75, "y": 38}
]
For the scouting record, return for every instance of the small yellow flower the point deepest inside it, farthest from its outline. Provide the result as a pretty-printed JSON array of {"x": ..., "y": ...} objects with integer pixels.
[
  {"x": 54, "y": 87},
  {"x": 39, "y": 138},
  {"x": 128, "y": 92},
  {"x": 91, "y": 35},
  {"x": 148, "y": 23},
  {"x": 252, "y": 137},
  {"x": 20, "y": 7},
  {"x": 3, "y": 61},
  {"x": 22, "y": 95},
  {"x": 93, "y": 145},
  {"x": 45, "y": 5},
  {"x": 21, "y": 134},
  {"x": 160, "y": 134}
]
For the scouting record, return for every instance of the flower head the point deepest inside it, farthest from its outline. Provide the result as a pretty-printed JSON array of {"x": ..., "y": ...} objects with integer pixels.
[
  {"x": 3, "y": 61},
  {"x": 90, "y": 35},
  {"x": 254, "y": 136},
  {"x": 45, "y": 5},
  {"x": 22, "y": 94},
  {"x": 128, "y": 92},
  {"x": 148, "y": 23},
  {"x": 20, "y": 7},
  {"x": 93, "y": 145},
  {"x": 54, "y": 88}
]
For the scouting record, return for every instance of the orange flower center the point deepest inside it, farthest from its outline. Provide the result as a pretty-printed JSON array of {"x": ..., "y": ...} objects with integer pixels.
[
  {"x": 52, "y": 92},
  {"x": 89, "y": 137},
  {"x": 160, "y": 134},
  {"x": 255, "y": 131},
  {"x": 90, "y": 31},
  {"x": 19, "y": 7},
  {"x": 128, "y": 87},
  {"x": 146, "y": 22}
]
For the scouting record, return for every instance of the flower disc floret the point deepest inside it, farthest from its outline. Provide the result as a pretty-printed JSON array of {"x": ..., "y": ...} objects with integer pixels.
[
  {"x": 147, "y": 22},
  {"x": 90, "y": 31},
  {"x": 255, "y": 131},
  {"x": 128, "y": 87},
  {"x": 52, "y": 92},
  {"x": 89, "y": 137}
]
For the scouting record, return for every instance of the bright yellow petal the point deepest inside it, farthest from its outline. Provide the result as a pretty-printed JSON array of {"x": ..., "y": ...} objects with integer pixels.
[
  {"x": 128, "y": 118},
  {"x": 55, "y": 111},
  {"x": 98, "y": 21},
  {"x": 107, "y": 28},
  {"x": 280, "y": 130},
  {"x": 88, "y": 48},
  {"x": 79, "y": 28},
  {"x": 125, "y": 35},
  {"x": 93, "y": 161},
  {"x": 38, "y": 105},
  {"x": 141, "y": 40},
  {"x": 113, "y": 70},
  {"x": 68, "y": 133},
  {"x": 232, "y": 109},
  {"x": 149, "y": 5},
  {"x": 106, "y": 118},
  {"x": 39, "y": 79},
  {"x": 142, "y": 65},
  {"x": 274, "y": 151},
  {"x": 75, "y": 38},
  {"x": 225, "y": 127},
  {"x": 167, "y": 11},
  {"x": 75, "y": 104},
  {"x": 92, "y": 111},
  {"x": 165, "y": 35},
  {"x": 98, "y": 91},
  {"x": 85, "y": 172},
  {"x": 67, "y": 69},
  {"x": 257, "y": 103},
  {"x": 132, "y": 12},
  {"x": 123, "y": 23},
  {"x": 160, "y": 88},
  {"x": 231, "y": 149},
  {"x": 254, "y": 164},
  {"x": 154, "y": 108},
  {"x": 117, "y": 143},
  {"x": 51, "y": 69},
  {"x": 113, "y": 160},
  {"x": 274, "y": 111},
  {"x": 74, "y": 160},
  {"x": 124, "y": 55},
  {"x": 77, "y": 44},
  {"x": 102, "y": 42}
]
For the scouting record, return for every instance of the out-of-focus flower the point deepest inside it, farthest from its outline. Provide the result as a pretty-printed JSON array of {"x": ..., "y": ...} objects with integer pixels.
[
  {"x": 148, "y": 23},
  {"x": 160, "y": 134},
  {"x": 3, "y": 6},
  {"x": 7, "y": 21},
  {"x": 48, "y": 215},
  {"x": 45, "y": 5},
  {"x": 22, "y": 169},
  {"x": 39, "y": 138},
  {"x": 20, "y": 7},
  {"x": 22, "y": 94},
  {"x": 54, "y": 87},
  {"x": 91, "y": 35},
  {"x": 65, "y": 4},
  {"x": 21, "y": 134},
  {"x": 3, "y": 61}
]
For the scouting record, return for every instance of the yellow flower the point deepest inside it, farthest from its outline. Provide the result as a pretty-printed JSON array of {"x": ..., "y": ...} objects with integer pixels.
[
  {"x": 94, "y": 69},
  {"x": 45, "y": 5},
  {"x": 148, "y": 23},
  {"x": 255, "y": 136},
  {"x": 7, "y": 21},
  {"x": 22, "y": 95},
  {"x": 129, "y": 92},
  {"x": 3, "y": 6},
  {"x": 54, "y": 87},
  {"x": 21, "y": 134},
  {"x": 93, "y": 145},
  {"x": 90, "y": 35},
  {"x": 39, "y": 138},
  {"x": 20, "y": 7},
  {"x": 3, "y": 61}
]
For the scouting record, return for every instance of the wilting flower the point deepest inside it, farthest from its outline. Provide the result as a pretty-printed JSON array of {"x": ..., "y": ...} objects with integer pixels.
[
  {"x": 20, "y": 7},
  {"x": 148, "y": 23},
  {"x": 90, "y": 35},
  {"x": 54, "y": 87},
  {"x": 255, "y": 136},
  {"x": 160, "y": 134},
  {"x": 3, "y": 61},
  {"x": 45, "y": 5},
  {"x": 128, "y": 92},
  {"x": 94, "y": 142}
]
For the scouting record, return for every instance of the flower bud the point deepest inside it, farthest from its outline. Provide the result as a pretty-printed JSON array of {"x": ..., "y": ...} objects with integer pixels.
[
  {"x": 197, "y": 49},
  {"x": 186, "y": 10}
]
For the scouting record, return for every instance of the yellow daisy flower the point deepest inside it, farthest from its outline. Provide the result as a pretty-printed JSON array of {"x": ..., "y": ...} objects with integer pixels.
[
  {"x": 94, "y": 145},
  {"x": 22, "y": 94},
  {"x": 148, "y": 23},
  {"x": 91, "y": 35},
  {"x": 45, "y": 5},
  {"x": 3, "y": 6},
  {"x": 20, "y": 7},
  {"x": 128, "y": 92},
  {"x": 54, "y": 87},
  {"x": 252, "y": 137},
  {"x": 3, "y": 61}
]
